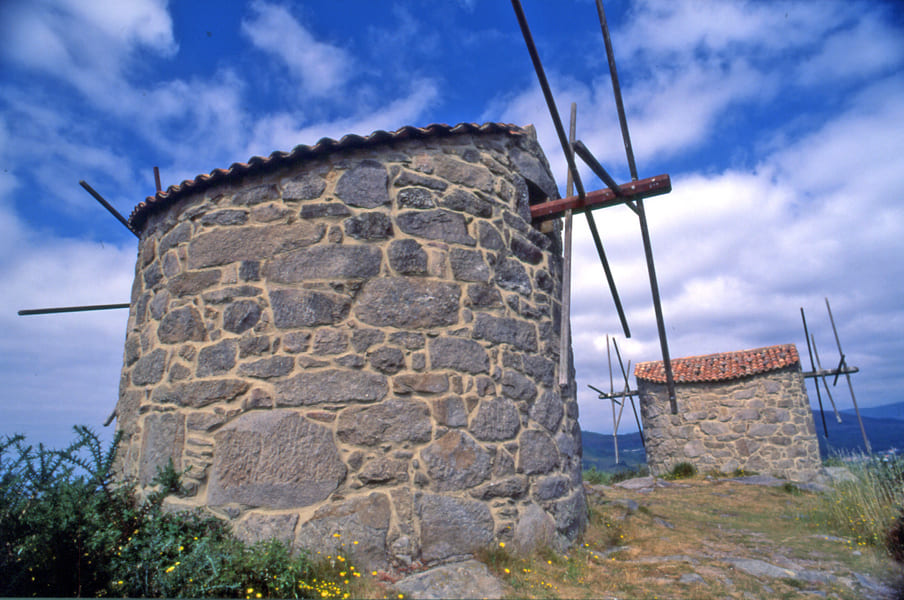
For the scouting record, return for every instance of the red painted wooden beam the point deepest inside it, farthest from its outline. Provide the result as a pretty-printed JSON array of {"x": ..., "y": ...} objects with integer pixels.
[{"x": 643, "y": 188}]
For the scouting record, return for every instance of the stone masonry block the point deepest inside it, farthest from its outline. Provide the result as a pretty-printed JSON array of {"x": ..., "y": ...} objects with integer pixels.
[
  {"x": 456, "y": 461},
  {"x": 459, "y": 354},
  {"x": 331, "y": 385},
  {"x": 395, "y": 420},
  {"x": 274, "y": 459},
  {"x": 408, "y": 303},
  {"x": 452, "y": 527},
  {"x": 366, "y": 185}
]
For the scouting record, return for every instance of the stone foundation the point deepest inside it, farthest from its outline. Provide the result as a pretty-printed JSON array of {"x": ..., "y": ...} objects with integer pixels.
[{"x": 358, "y": 344}]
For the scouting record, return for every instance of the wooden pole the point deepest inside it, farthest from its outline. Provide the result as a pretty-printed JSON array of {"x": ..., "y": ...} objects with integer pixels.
[
  {"x": 823, "y": 378},
  {"x": 644, "y": 230},
  {"x": 108, "y": 206},
  {"x": 822, "y": 413},
  {"x": 565, "y": 323},
  {"x": 609, "y": 358},
  {"x": 869, "y": 449}
]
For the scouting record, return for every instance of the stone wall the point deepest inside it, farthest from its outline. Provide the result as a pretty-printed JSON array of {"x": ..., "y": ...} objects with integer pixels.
[
  {"x": 761, "y": 423},
  {"x": 362, "y": 342}
]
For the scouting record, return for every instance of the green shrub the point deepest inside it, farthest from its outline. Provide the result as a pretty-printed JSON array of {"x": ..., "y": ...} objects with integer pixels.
[
  {"x": 682, "y": 470},
  {"x": 67, "y": 529},
  {"x": 594, "y": 476},
  {"x": 59, "y": 515}
]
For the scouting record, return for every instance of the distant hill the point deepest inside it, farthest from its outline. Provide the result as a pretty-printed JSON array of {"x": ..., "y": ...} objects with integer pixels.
[
  {"x": 886, "y": 411},
  {"x": 884, "y": 433},
  {"x": 600, "y": 453}
]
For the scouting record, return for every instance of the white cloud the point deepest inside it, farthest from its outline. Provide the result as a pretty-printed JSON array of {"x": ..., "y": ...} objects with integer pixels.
[
  {"x": 284, "y": 131},
  {"x": 86, "y": 44},
  {"x": 673, "y": 109},
  {"x": 866, "y": 48},
  {"x": 320, "y": 67},
  {"x": 712, "y": 27}
]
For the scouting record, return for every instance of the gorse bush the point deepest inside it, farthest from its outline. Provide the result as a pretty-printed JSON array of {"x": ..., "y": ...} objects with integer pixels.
[
  {"x": 56, "y": 530},
  {"x": 68, "y": 529}
]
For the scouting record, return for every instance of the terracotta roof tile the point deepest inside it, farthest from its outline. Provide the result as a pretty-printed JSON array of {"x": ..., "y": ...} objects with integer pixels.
[
  {"x": 258, "y": 164},
  {"x": 721, "y": 367}
]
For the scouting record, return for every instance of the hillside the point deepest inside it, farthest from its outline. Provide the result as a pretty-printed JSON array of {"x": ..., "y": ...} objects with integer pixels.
[
  {"x": 886, "y": 411},
  {"x": 845, "y": 437}
]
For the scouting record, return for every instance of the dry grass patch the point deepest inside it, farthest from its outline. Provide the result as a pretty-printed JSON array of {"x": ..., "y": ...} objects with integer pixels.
[{"x": 682, "y": 542}]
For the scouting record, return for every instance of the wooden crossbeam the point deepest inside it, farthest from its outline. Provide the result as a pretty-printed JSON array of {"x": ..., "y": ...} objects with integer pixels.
[
  {"x": 636, "y": 190},
  {"x": 846, "y": 370}
]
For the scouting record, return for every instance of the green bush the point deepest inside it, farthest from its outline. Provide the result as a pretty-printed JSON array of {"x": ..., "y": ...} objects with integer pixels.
[
  {"x": 68, "y": 529},
  {"x": 682, "y": 470},
  {"x": 58, "y": 517},
  {"x": 594, "y": 476}
]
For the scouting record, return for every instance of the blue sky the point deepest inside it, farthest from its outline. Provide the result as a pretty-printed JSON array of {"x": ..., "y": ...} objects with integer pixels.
[{"x": 781, "y": 125}]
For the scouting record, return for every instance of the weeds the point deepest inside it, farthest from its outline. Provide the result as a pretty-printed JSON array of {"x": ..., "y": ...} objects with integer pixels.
[
  {"x": 790, "y": 488},
  {"x": 497, "y": 558}
]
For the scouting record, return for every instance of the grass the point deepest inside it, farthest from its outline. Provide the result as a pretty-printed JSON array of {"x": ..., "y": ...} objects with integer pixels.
[
  {"x": 866, "y": 508},
  {"x": 596, "y": 476},
  {"x": 698, "y": 527}
]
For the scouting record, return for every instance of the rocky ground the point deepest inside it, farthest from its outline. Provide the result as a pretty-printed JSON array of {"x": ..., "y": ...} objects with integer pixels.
[{"x": 745, "y": 538}]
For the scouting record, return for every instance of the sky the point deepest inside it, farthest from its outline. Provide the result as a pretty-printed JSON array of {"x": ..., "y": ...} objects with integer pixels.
[{"x": 781, "y": 125}]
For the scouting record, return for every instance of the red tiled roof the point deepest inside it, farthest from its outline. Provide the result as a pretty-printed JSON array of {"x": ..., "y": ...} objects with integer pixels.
[
  {"x": 721, "y": 367},
  {"x": 258, "y": 164}
]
